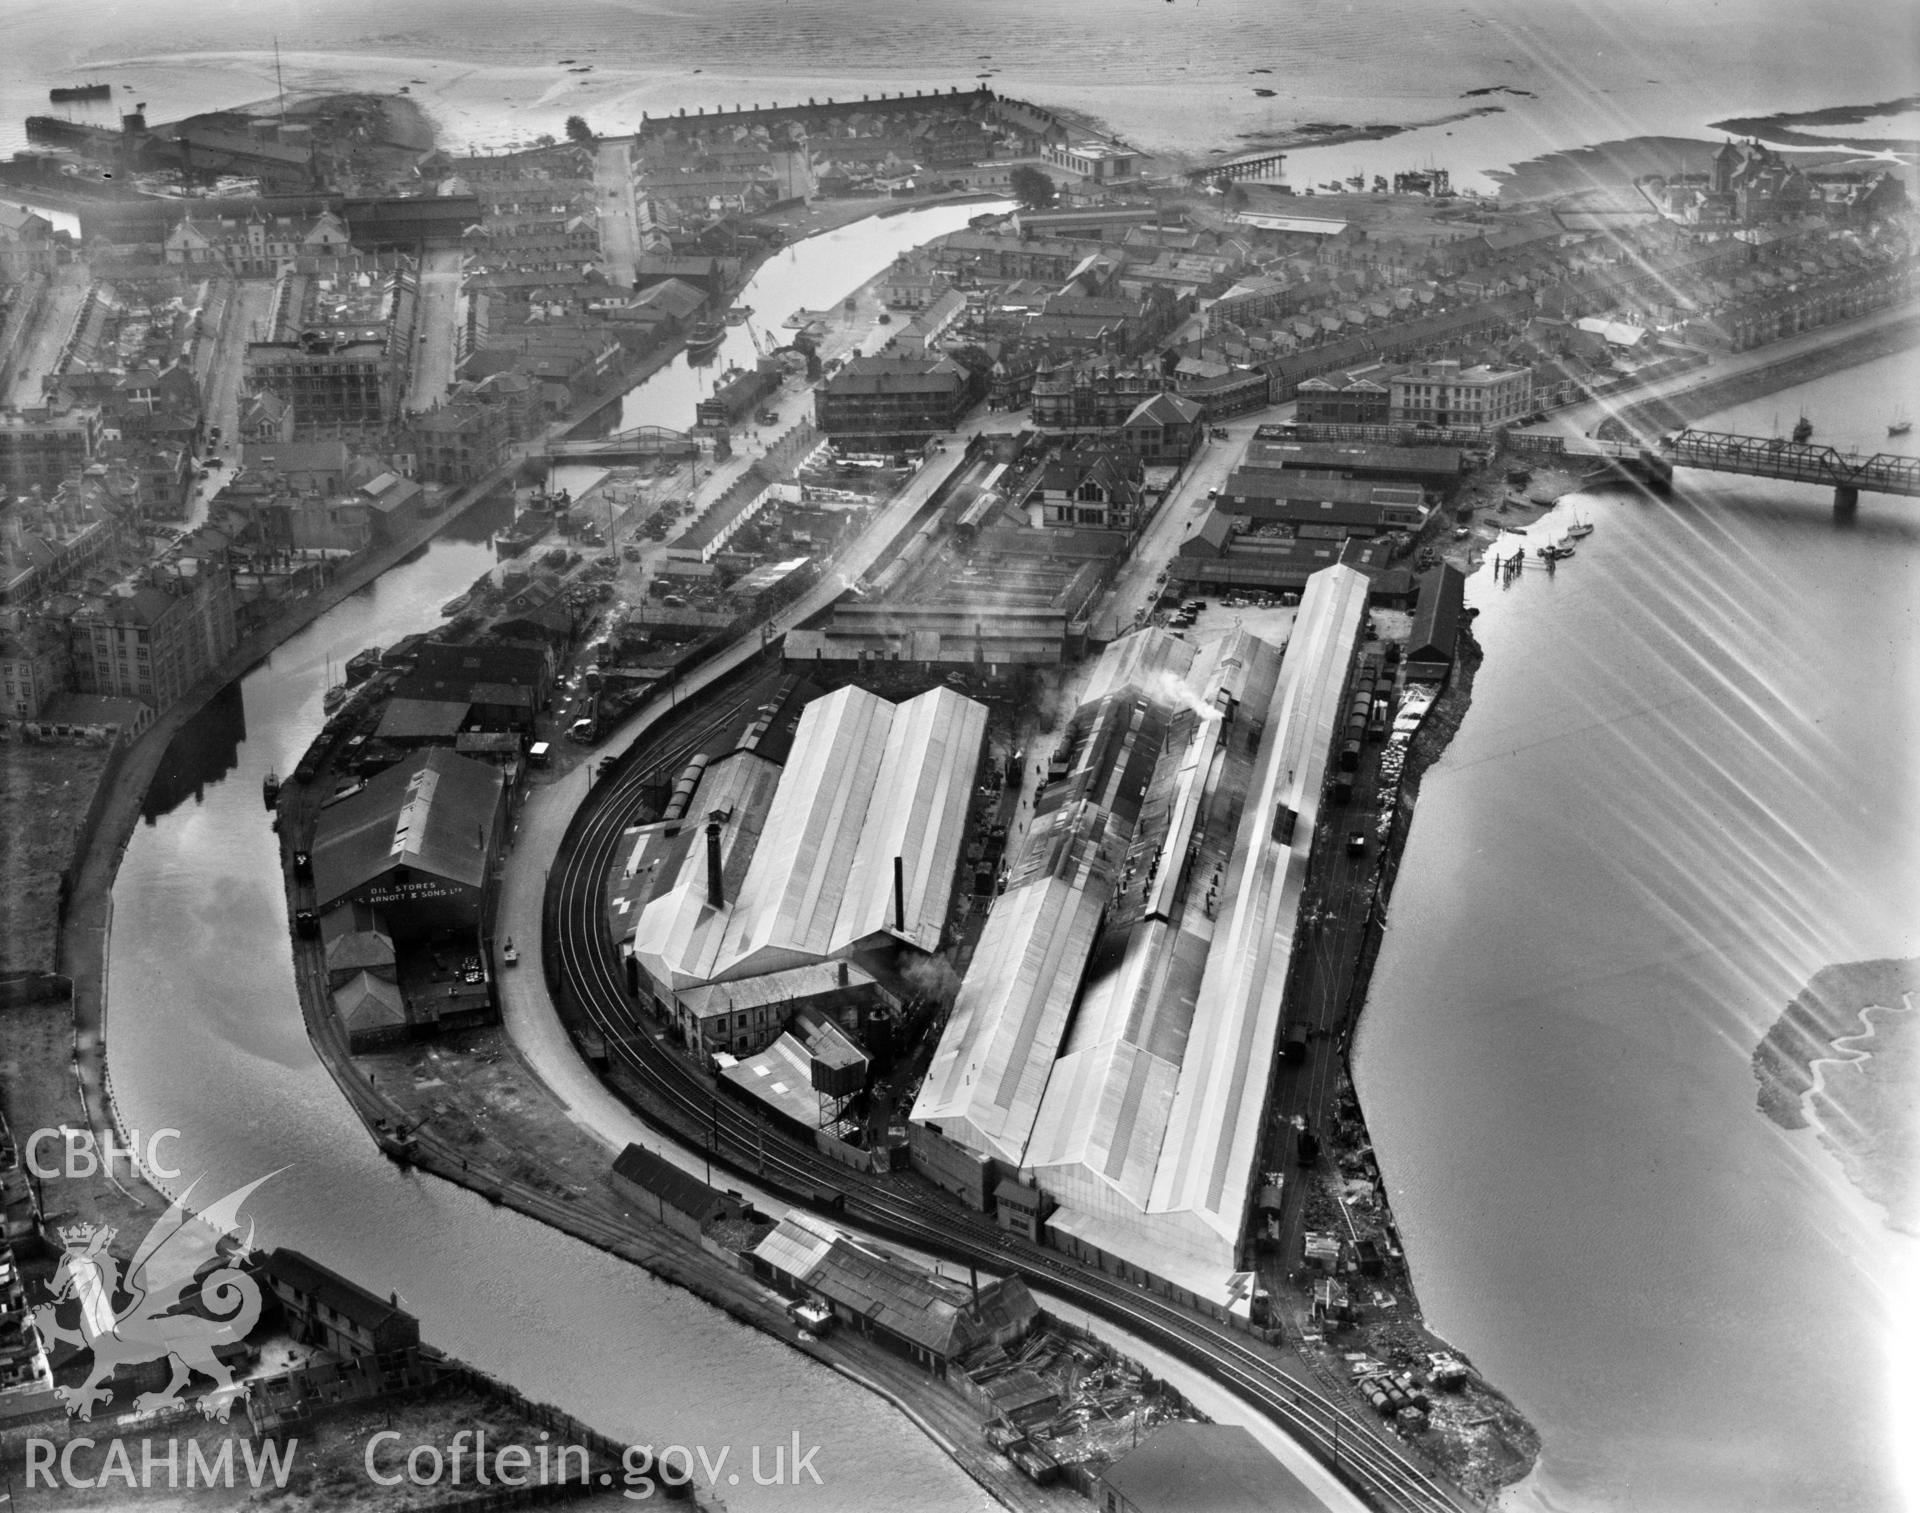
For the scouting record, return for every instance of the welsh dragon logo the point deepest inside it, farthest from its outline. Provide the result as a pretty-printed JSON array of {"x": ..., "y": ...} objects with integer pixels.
[{"x": 169, "y": 1306}]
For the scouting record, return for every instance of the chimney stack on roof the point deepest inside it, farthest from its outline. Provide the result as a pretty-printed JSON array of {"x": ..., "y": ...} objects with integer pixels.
[
  {"x": 716, "y": 894},
  {"x": 899, "y": 896}
]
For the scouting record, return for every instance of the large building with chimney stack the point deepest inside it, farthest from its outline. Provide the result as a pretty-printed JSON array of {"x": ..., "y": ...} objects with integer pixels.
[{"x": 777, "y": 887}]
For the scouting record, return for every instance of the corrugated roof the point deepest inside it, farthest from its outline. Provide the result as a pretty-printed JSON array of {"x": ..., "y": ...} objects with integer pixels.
[
  {"x": 931, "y": 1311},
  {"x": 434, "y": 815},
  {"x": 797, "y": 1244},
  {"x": 918, "y": 813},
  {"x": 780, "y": 1075},
  {"x": 865, "y": 781}
]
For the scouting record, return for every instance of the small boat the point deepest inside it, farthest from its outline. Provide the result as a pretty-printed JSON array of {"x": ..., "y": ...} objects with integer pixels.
[
  {"x": 1899, "y": 427},
  {"x": 509, "y": 955},
  {"x": 1802, "y": 431},
  {"x": 334, "y": 697},
  {"x": 704, "y": 337},
  {"x": 454, "y": 605},
  {"x": 1580, "y": 528},
  {"x": 270, "y": 788}
]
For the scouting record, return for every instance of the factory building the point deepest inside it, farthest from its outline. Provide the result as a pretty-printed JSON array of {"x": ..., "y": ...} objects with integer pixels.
[
  {"x": 1112, "y": 1043},
  {"x": 775, "y": 883}
]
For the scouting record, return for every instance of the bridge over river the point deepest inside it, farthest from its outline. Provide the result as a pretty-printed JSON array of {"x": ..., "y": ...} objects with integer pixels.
[
  {"x": 1652, "y": 461},
  {"x": 624, "y": 446}
]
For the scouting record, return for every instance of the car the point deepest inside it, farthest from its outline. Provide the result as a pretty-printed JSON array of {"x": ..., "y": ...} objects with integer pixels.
[
  {"x": 583, "y": 730},
  {"x": 1356, "y": 843}
]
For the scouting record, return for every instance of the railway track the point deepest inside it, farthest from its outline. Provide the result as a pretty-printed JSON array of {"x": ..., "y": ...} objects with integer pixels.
[{"x": 586, "y": 972}]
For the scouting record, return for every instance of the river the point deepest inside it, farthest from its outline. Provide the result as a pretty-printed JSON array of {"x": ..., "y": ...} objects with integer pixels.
[
  {"x": 1684, "y": 786},
  {"x": 204, "y": 1035}
]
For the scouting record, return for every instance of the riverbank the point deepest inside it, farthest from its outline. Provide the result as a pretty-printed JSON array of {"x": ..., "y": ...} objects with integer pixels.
[
  {"x": 87, "y": 923},
  {"x": 468, "y": 1109}
]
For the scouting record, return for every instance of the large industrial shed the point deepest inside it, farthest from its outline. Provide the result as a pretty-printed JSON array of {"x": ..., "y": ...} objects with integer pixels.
[
  {"x": 853, "y": 847},
  {"x": 1118, "y": 1056}
]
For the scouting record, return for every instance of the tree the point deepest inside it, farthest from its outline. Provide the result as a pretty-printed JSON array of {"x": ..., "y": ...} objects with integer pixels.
[
  {"x": 1031, "y": 187},
  {"x": 578, "y": 130}
]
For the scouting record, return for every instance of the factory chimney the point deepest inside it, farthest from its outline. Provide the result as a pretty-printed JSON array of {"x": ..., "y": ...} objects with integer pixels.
[
  {"x": 716, "y": 894},
  {"x": 899, "y": 896}
]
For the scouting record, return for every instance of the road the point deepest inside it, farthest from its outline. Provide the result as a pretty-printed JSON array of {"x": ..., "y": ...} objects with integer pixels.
[
  {"x": 1137, "y": 585},
  {"x": 619, "y": 215},
  {"x": 247, "y": 319},
  {"x": 64, "y": 296},
  {"x": 436, "y": 330}
]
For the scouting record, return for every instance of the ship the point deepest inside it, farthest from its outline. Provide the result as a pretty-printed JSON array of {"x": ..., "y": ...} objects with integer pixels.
[
  {"x": 706, "y": 336},
  {"x": 270, "y": 788},
  {"x": 1899, "y": 427},
  {"x": 68, "y": 93},
  {"x": 334, "y": 697},
  {"x": 1802, "y": 431},
  {"x": 362, "y": 665},
  {"x": 516, "y": 538}
]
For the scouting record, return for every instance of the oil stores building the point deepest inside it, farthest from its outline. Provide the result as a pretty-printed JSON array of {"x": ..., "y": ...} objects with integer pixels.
[
  {"x": 412, "y": 857},
  {"x": 1113, "y": 1041}
]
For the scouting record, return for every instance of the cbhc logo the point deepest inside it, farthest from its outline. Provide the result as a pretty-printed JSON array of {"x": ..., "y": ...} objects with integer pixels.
[{"x": 84, "y": 1155}]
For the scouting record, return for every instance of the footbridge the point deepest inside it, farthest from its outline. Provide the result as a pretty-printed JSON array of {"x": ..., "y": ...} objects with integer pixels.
[{"x": 624, "y": 446}]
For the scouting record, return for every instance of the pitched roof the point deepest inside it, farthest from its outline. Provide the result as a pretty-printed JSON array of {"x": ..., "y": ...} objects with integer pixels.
[
  {"x": 678, "y": 1189},
  {"x": 434, "y": 815},
  {"x": 1220, "y": 1468},
  {"x": 367, "y": 1002},
  {"x": 350, "y": 1299}
]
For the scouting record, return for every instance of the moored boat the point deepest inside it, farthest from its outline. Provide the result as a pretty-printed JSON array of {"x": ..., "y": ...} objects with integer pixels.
[
  {"x": 362, "y": 665},
  {"x": 704, "y": 337},
  {"x": 334, "y": 697}
]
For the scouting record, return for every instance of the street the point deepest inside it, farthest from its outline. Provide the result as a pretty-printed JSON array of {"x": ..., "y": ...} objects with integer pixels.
[{"x": 436, "y": 329}]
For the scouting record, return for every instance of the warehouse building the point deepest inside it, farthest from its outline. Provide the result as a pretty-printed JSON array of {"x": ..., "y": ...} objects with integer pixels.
[
  {"x": 1112, "y": 1042},
  {"x": 1431, "y": 467},
  {"x": 409, "y": 865}
]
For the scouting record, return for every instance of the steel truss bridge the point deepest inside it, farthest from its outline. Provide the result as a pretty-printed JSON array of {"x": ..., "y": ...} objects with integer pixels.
[
  {"x": 641, "y": 441},
  {"x": 1848, "y": 474}
]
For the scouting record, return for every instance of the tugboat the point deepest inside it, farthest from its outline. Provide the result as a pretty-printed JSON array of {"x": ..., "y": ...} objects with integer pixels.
[
  {"x": 705, "y": 337},
  {"x": 270, "y": 788}
]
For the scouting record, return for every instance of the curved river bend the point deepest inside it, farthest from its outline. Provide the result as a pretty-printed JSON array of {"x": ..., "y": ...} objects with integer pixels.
[
  {"x": 1686, "y": 784},
  {"x": 205, "y": 1035}
]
